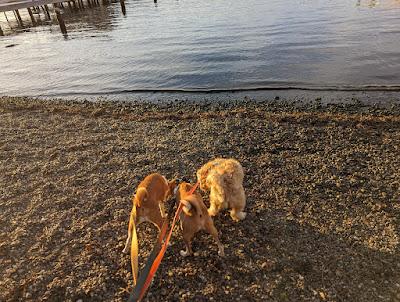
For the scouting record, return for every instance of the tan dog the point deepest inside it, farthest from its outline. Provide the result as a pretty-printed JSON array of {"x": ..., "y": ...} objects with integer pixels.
[
  {"x": 224, "y": 179},
  {"x": 195, "y": 218},
  {"x": 148, "y": 203}
]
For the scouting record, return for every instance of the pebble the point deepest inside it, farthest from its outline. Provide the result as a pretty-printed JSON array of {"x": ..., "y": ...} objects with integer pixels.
[{"x": 283, "y": 175}]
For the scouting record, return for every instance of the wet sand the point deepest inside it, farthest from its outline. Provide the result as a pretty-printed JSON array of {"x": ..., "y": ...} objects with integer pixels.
[{"x": 322, "y": 185}]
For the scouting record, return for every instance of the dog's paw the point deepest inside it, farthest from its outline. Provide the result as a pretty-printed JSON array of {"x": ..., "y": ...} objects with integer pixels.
[
  {"x": 241, "y": 215},
  {"x": 221, "y": 252},
  {"x": 212, "y": 212},
  {"x": 184, "y": 253},
  {"x": 238, "y": 216}
]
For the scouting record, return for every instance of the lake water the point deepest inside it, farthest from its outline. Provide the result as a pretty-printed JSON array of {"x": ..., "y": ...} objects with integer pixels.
[{"x": 205, "y": 45}]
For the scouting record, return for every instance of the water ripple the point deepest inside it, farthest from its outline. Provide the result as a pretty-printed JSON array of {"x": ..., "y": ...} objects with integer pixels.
[{"x": 206, "y": 45}]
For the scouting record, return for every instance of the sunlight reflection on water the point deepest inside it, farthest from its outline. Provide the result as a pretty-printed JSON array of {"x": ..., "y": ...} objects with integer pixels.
[{"x": 178, "y": 44}]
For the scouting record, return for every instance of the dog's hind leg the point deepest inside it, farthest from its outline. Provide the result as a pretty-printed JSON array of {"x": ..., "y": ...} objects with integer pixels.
[
  {"x": 238, "y": 202},
  {"x": 210, "y": 228},
  {"x": 187, "y": 238}
]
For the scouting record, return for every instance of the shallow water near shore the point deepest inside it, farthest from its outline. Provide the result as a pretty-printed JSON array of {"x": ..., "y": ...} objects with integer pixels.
[{"x": 205, "y": 45}]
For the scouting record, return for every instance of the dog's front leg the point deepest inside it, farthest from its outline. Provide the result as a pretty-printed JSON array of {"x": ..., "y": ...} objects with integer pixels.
[
  {"x": 187, "y": 238},
  {"x": 162, "y": 209},
  {"x": 217, "y": 200},
  {"x": 127, "y": 244}
]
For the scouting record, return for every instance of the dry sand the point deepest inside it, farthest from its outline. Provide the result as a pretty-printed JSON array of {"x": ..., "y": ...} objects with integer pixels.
[{"x": 323, "y": 200}]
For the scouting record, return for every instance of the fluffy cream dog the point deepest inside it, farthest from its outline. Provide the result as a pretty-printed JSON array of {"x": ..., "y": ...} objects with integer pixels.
[{"x": 224, "y": 179}]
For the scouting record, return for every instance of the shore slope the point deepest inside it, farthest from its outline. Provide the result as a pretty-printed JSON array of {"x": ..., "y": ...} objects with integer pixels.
[{"x": 322, "y": 186}]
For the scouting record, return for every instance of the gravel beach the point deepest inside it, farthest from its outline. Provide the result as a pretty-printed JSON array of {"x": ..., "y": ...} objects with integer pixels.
[{"x": 322, "y": 185}]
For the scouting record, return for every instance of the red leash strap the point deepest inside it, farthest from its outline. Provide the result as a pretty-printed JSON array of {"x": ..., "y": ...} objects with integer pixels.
[{"x": 194, "y": 188}]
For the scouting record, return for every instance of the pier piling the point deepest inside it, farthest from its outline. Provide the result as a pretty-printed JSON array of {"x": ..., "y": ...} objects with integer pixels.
[
  {"x": 32, "y": 17},
  {"x": 5, "y": 15},
  {"x": 18, "y": 16},
  {"x": 46, "y": 9},
  {"x": 60, "y": 21},
  {"x": 123, "y": 7},
  {"x": 42, "y": 6}
]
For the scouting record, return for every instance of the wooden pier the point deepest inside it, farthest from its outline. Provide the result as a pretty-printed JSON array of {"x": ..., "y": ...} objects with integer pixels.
[{"x": 35, "y": 6}]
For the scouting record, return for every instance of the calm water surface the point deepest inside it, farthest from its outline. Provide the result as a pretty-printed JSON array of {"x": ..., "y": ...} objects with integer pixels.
[{"x": 207, "y": 44}]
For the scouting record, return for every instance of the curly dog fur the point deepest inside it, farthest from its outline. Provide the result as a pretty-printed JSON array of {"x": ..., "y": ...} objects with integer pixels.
[{"x": 224, "y": 179}]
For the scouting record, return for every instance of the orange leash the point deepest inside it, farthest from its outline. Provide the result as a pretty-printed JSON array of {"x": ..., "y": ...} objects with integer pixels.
[
  {"x": 160, "y": 256},
  {"x": 152, "y": 265},
  {"x": 194, "y": 188}
]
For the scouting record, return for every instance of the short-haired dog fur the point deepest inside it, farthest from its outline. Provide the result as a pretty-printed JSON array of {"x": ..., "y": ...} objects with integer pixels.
[
  {"x": 195, "y": 218},
  {"x": 148, "y": 203}
]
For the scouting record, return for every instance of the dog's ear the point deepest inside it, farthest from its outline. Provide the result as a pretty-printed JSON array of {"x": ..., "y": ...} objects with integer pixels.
[
  {"x": 172, "y": 184},
  {"x": 187, "y": 206}
]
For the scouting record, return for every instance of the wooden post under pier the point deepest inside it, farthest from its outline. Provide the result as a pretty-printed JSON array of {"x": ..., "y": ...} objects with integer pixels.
[
  {"x": 1, "y": 32},
  {"x": 32, "y": 17},
  {"x": 123, "y": 7},
  {"x": 18, "y": 16},
  {"x": 42, "y": 6},
  {"x": 5, "y": 15},
  {"x": 60, "y": 20},
  {"x": 47, "y": 12}
]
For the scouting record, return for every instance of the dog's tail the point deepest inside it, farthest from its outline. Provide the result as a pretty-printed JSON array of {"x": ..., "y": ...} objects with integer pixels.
[
  {"x": 134, "y": 249},
  {"x": 140, "y": 197}
]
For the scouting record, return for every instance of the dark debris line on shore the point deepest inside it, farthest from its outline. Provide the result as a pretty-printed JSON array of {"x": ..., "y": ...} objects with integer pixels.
[{"x": 322, "y": 185}]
